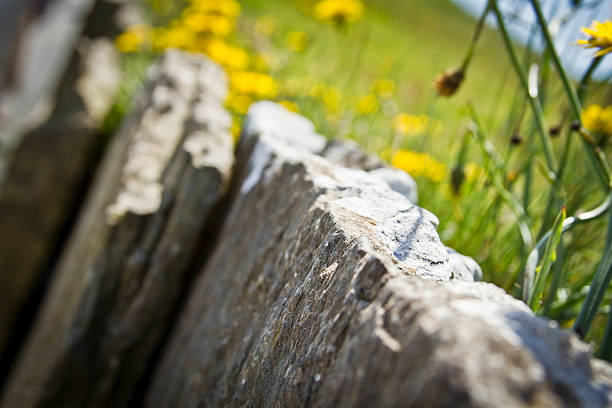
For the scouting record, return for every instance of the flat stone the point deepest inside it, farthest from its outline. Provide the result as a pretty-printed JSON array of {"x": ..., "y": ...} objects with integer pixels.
[{"x": 327, "y": 288}]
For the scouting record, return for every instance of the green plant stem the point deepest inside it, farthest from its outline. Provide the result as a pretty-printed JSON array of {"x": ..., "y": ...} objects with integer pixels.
[
  {"x": 475, "y": 37},
  {"x": 495, "y": 168},
  {"x": 582, "y": 87},
  {"x": 536, "y": 107},
  {"x": 598, "y": 287},
  {"x": 557, "y": 279},
  {"x": 568, "y": 224},
  {"x": 550, "y": 255},
  {"x": 584, "y": 82},
  {"x": 569, "y": 90},
  {"x": 605, "y": 352}
]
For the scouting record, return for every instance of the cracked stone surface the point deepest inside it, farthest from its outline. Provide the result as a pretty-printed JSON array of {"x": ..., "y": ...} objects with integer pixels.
[
  {"x": 327, "y": 288},
  {"x": 118, "y": 281}
]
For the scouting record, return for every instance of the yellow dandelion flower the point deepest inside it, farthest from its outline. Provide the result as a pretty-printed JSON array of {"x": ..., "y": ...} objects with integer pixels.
[
  {"x": 132, "y": 38},
  {"x": 419, "y": 165},
  {"x": 316, "y": 90},
  {"x": 367, "y": 104},
  {"x": 290, "y": 106},
  {"x": 598, "y": 119},
  {"x": 601, "y": 37},
  {"x": 257, "y": 84},
  {"x": 385, "y": 88},
  {"x": 410, "y": 124},
  {"x": 205, "y": 23},
  {"x": 338, "y": 11},
  {"x": 226, "y": 55},
  {"x": 266, "y": 25},
  {"x": 236, "y": 128},
  {"x": 296, "y": 41},
  {"x": 228, "y": 8},
  {"x": 173, "y": 37},
  {"x": 331, "y": 98},
  {"x": 238, "y": 103}
]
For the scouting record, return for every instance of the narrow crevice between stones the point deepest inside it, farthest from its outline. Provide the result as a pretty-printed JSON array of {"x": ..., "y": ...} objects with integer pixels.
[{"x": 205, "y": 245}]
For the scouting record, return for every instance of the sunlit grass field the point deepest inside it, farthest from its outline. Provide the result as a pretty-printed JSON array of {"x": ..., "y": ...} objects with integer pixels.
[{"x": 371, "y": 81}]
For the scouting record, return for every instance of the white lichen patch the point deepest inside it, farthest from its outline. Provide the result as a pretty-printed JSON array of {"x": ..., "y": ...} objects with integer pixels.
[{"x": 155, "y": 139}]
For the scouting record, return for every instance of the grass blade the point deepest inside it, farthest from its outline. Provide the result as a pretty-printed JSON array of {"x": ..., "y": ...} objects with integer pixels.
[
  {"x": 550, "y": 255},
  {"x": 600, "y": 283}
]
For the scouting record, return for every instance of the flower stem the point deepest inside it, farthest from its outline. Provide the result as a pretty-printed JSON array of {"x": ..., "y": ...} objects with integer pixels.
[
  {"x": 536, "y": 106},
  {"x": 475, "y": 37},
  {"x": 570, "y": 91}
]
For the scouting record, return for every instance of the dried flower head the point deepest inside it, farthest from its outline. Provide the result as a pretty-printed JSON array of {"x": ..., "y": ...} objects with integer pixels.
[
  {"x": 554, "y": 131},
  {"x": 601, "y": 37},
  {"x": 516, "y": 139},
  {"x": 447, "y": 83}
]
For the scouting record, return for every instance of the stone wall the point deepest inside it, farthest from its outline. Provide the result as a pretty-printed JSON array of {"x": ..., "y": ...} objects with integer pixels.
[{"x": 304, "y": 275}]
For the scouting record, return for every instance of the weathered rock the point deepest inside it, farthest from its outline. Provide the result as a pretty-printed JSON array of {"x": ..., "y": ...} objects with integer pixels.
[
  {"x": 47, "y": 172},
  {"x": 122, "y": 272},
  {"x": 464, "y": 267},
  {"x": 327, "y": 288},
  {"x": 399, "y": 181},
  {"x": 348, "y": 154}
]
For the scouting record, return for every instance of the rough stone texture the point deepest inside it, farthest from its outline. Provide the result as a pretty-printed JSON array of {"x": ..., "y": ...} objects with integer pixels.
[
  {"x": 327, "y": 288},
  {"x": 46, "y": 173},
  {"x": 348, "y": 154},
  {"x": 119, "y": 278}
]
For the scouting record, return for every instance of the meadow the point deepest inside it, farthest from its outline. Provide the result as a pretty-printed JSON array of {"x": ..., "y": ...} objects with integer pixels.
[{"x": 498, "y": 172}]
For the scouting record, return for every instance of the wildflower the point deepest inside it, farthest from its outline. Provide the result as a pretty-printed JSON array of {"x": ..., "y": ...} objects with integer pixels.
[
  {"x": 217, "y": 25},
  {"x": 331, "y": 97},
  {"x": 290, "y": 106},
  {"x": 228, "y": 8},
  {"x": 419, "y": 165},
  {"x": 338, "y": 12},
  {"x": 367, "y": 104},
  {"x": 317, "y": 90},
  {"x": 410, "y": 124},
  {"x": 226, "y": 55},
  {"x": 598, "y": 120},
  {"x": 253, "y": 83},
  {"x": 172, "y": 37},
  {"x": 511, "y": 177},
  {"x": 132, "y": 38},
  {"x": 601, "y": 37},
  {"x": 266, "y": 25},
  {"x": 385, "y": 88},
  {"x": 236, "y": 128},
  {"x": 238, "y": 103},
  {"x": 447, "y": 83},
  {"x": 296, "y": 41}
]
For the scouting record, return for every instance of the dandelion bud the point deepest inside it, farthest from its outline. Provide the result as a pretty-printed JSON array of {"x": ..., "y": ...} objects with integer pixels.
[
  {"x": 511, "y": 177},
  {"x": 457, "y": 179},
  {"x": 516, "y": 139},
  {"x": 555, "y": 130},
  {"x": 447, "y": 83}
]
